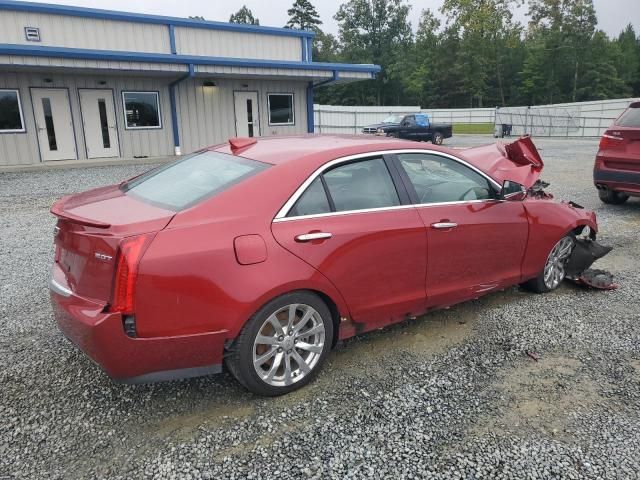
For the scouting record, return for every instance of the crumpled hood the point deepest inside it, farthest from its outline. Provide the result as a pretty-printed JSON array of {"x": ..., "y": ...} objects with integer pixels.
[{"x": 518, "y": 161}]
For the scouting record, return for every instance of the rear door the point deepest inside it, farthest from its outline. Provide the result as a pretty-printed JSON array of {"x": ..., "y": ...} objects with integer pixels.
[
  {"x": 353, "y": 224},
  {"x": 476, "y": 243}
]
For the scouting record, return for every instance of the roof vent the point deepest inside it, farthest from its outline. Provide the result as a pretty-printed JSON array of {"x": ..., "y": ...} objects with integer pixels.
[
  {"x": 241, "y": 142},
  {"x": 32, "y": 34}
]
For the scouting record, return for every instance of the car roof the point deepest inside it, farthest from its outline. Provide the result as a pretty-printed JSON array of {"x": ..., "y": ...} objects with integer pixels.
[{"x": 315, "y": 150}]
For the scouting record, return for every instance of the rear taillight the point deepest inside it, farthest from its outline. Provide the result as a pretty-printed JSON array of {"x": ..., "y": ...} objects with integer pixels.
[
  {"x": 610, "y": 141},
  {"x": 129, "y": 254}
]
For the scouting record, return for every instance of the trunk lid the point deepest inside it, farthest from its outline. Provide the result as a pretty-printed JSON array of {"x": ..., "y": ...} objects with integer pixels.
[
  {"x": 89, "y": 230},
  {"x": 518, "y": 161}
]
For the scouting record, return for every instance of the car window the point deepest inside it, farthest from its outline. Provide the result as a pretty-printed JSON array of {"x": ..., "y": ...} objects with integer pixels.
[
  {"x": 410, "y": 120},
  {"x": 181, "y": 184},
  {"x": 438, "y": 179},
  {"x": 361, "y": 185},
  {"x": 630, "y": 118},
  {"x": 312, "y": 202}
]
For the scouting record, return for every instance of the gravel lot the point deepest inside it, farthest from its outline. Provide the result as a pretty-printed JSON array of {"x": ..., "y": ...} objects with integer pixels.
[{"x": 450, "y": 395}]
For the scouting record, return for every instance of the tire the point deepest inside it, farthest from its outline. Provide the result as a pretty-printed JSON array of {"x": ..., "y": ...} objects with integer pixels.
[
  {"x": 539, "y": 284},
  {"x": 612, "y": 197},
  {"x": 267, "y": 378},
  {"x": 393, "y": 135},
  {"x": 437, "y": 138}
]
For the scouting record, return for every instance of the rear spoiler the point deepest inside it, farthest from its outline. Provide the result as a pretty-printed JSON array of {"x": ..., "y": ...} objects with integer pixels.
[{"x": 58, "y": 210}]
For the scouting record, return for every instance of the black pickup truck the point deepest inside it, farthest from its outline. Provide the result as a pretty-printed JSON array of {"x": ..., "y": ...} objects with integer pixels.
[{"x": 416, "y": 127}]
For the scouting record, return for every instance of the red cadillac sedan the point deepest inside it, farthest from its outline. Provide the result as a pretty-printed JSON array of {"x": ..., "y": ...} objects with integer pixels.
[{"x": 261, "y": 254}]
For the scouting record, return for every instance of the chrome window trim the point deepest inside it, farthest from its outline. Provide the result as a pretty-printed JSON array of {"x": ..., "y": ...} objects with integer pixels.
[{"x": 281, "y": 216}]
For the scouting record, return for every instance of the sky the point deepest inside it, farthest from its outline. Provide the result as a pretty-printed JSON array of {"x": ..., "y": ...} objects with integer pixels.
[{"x": 613, "y": 15}]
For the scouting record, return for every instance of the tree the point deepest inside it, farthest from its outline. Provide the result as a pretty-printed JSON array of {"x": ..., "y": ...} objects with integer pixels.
[
  {"x": 486, "y": 28},
  {"x": 564, "y": 29},
  {"x": 628, "y": 65},
  {"x": 375, "y": 31},
  {"x": 601, "y": 80},
  {"x": 418, "y": 66},
  {"x": 244, "y": 15},
  {"x": 303, "y": 16}
]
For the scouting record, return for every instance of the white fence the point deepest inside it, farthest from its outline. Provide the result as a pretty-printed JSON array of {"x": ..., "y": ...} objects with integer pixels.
[
  {"x": 583, "y": 119},
  {"x": 335, "y": 119}
]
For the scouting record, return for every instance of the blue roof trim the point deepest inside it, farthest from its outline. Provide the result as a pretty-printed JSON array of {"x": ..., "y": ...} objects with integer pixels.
[
  {"x": 145, "y": 18},
  {"x": 111, "y": 55}
]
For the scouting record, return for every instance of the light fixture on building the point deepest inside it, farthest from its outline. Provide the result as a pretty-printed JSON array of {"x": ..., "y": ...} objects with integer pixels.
[
  {"x": 47, "y": 80},
  {"x": 102, "y": 82},
  {"x": 245, "y": 85},
  {"x": 209, "y": 83}
]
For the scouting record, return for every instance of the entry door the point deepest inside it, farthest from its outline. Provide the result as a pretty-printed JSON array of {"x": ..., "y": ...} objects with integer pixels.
[
  {"x": 54, "y": 123},
  {"x": 373, "y": 252},
  {"x": 246, "y": 107},
  {"x": 476, "y": 243},
  {"x": 99, "y": 122}
]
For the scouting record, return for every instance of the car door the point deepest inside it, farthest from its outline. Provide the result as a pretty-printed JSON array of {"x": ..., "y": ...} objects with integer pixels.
[
  {"x": 476, "y": 242},
  {"x": 411, "y": 128},
  {"x": 353, "y": 222}
]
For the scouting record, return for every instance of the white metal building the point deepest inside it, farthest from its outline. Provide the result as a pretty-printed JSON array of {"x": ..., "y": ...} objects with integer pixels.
[{"x": 78, "y": 83}]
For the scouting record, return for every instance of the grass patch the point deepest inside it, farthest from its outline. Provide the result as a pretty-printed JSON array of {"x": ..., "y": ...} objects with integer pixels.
[{"x": 473, "y": 128}]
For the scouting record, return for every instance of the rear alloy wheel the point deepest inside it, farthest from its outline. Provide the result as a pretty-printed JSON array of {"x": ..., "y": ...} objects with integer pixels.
[
  {"x": 437, "y": 138},
  {"x": 282, "y": 346},
  {"x": 612, "y": 197},
  {"x": 554, "y": 270}
]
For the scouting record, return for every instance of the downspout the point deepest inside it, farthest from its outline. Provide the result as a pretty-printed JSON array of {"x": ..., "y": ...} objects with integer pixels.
[
  {"x": 174, "y": 111},
  {"x": 310, "y": 91}
]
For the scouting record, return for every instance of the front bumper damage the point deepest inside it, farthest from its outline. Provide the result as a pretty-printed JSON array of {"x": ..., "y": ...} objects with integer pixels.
[{"x": 585, "y": 252}]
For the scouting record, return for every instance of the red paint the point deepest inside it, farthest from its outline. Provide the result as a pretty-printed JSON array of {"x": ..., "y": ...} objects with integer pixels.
[
  {"x": 210, "y": 267},
  {"x": 617, "y": 164},
  {"x": 250, "y": 249}
]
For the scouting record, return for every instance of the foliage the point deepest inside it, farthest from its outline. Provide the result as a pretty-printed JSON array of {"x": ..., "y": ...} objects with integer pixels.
[
  {"x": 303, "y": 16},
  {"x": 480, "y": 56},
  {"x": 244, "y": 15}
]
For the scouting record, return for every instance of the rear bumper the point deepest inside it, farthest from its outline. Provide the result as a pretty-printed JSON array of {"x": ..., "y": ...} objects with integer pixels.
[
  {"x": 101, "y": 337},
  {"x": 618, "y": 180},
  {"x": 619, "y": 172}
]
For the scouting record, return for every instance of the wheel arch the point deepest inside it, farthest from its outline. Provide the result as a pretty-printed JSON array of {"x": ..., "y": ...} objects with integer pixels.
[{"x": 336, "y": 307}]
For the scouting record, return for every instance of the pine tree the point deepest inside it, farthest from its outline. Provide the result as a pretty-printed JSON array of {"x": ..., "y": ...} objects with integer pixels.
[
  {"x": 244, "y": 15},
  {"x": 303, "y": 16}
]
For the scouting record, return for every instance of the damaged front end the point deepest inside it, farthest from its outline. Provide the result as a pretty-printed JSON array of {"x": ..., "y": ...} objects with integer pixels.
[{"x": 585, "y": 251}]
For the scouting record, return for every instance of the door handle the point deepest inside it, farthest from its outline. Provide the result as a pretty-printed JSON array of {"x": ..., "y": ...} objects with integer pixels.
[
  {"x": 307, "y": 237},
  {"x": 444, "y": 225}
]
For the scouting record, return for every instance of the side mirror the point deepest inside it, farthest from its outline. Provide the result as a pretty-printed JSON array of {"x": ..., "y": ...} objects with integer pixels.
[{"x": 512, "y": 191}]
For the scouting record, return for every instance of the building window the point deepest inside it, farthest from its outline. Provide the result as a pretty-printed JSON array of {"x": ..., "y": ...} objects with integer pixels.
[
  {"x": 281, "y": 109},
  {"x": 141, "y": 110},
  {"x": 11, "y": 119}
]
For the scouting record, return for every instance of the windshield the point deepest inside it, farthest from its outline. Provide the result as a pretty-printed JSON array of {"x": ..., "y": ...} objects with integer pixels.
[
  {"x": 393, "y": 119},
  {"x": 181, "y": 184}
]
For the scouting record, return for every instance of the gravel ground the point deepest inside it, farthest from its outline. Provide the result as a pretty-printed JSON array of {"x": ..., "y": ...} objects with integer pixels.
[{"x": 450, "y": 395}]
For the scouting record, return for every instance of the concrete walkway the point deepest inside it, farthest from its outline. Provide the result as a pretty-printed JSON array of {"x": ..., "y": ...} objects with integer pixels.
[{"x": 98, "y": 162}]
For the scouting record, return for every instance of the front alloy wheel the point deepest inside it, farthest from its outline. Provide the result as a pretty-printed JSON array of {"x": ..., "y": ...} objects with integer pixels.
[
  {"x": 282, "y": 347},
  {"x": 554, "y": 270}
]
